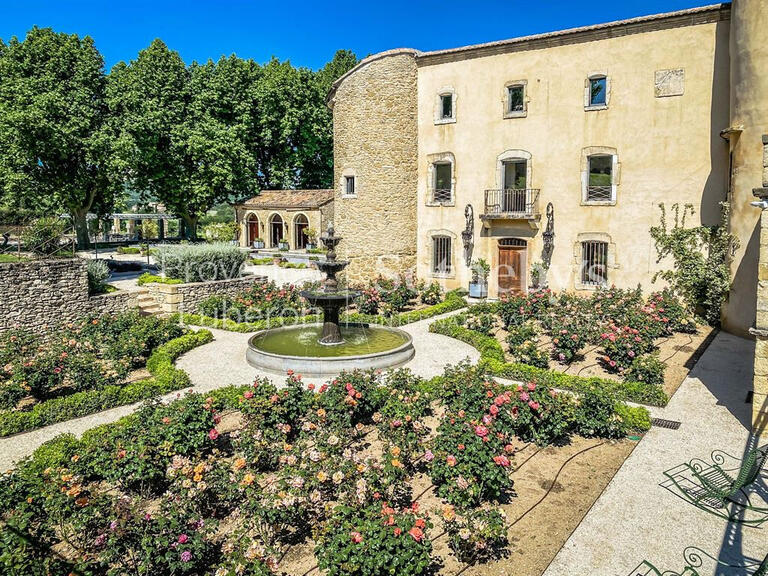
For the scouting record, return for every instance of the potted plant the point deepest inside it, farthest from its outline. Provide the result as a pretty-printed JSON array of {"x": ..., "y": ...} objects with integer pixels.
[
  {"x": 311, "y": 238},
  {"x": 282, "y": 245},
  {"x": 258, "y": 243},
  {"x": 539, "y": 275},
  {"x": 478, "y": 287}
]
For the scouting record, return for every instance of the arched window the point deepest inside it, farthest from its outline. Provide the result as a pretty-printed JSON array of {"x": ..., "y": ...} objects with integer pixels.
[
  {"x": 252, "y": 229},
  {"x": 276, "y": 231},
  {"x": 300, "y": 226}
]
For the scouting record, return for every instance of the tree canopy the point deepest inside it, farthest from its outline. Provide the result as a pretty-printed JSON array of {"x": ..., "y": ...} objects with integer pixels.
[
  {"x": 56, "y": 130},
  {"x": 74, "y": 138}
]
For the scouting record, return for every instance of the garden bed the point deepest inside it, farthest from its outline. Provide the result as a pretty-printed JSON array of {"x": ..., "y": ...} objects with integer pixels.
[
  {"x": 99, "y": 363},
  {"x": 365, "y": 474},
  {"x": 679, "y": 352},
  {"x": 639, "y": 348},
  {"x": 269, "y": 306}
]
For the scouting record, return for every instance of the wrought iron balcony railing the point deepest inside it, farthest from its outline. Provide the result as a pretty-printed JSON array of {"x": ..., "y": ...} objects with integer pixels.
[{"x": 511, "y": 203}]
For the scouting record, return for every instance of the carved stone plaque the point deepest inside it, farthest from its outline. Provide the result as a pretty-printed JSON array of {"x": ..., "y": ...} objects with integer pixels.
[{"x": 669, "y": 83}]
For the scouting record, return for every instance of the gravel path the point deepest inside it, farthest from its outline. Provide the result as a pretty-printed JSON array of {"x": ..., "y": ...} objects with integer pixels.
[
  {"x": 635, "y": 518},
  {"x": 222, "y": 363}
]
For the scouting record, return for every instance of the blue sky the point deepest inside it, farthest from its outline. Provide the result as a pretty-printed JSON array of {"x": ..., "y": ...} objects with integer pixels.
[{"x": 308, "y": 33}]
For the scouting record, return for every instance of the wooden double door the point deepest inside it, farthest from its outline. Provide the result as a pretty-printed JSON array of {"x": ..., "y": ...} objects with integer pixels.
[{"x": 512, "y": 265}]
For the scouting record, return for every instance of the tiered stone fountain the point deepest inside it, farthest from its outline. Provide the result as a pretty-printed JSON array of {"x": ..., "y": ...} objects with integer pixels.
[{"x": 332, "y": 346}]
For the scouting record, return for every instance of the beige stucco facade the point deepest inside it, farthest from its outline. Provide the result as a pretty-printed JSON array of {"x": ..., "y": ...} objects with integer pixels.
[{"x": 667, "y": 149}]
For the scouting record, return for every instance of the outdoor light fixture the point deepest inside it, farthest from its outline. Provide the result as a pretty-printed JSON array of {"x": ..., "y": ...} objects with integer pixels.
[{"x": 468, "y": 234}]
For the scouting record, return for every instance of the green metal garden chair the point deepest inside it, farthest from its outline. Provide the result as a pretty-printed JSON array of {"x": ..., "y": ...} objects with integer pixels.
[
  {"x": 694, "y": 558},
  {"x": 720, "y": 487}
]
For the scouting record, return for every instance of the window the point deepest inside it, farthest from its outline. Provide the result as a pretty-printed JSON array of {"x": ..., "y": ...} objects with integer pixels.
[
  {"x": 441, "y": 255},
  {"x": 600, "y": 178},
  {"x": 594, "y": 263},
  {"x": 515, "y": 99},
  {"x": 349, "y": 185},
  {"x": 446, "y": 106},
  {"x": 442, "y": 189},
  {"x": 598, "y": 91}
]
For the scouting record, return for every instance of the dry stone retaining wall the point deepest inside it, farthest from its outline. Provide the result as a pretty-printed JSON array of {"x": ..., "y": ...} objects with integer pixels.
[
  {"x": 186, "y": 297},
  {"x": 43, "y": 294}
]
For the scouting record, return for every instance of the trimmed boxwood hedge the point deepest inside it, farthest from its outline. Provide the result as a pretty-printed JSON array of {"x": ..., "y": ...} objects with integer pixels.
[
  {"x": 453, "y": 301},
  {"x": 166, "y": 378},
  {"x": 492, "y": 355}
]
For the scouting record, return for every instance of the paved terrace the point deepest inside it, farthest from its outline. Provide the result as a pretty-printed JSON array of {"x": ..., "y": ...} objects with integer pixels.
[{"x": 636, "y": 518}]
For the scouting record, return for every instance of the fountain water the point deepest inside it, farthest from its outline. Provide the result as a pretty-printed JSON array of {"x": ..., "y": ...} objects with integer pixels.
[{"x": 330, "y": 347}]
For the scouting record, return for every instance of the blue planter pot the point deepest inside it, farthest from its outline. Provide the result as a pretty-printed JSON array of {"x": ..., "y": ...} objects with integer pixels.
[{"x": 477, "y": 290}]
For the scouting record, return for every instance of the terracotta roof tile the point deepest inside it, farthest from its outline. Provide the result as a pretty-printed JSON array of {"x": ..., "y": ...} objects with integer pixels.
[{"x": 273, "y": 199}]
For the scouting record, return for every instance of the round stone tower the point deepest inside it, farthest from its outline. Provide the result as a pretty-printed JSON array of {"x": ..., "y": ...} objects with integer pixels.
[
  {"x": 375, "y": 149},
  {"x": 749, "y": 123}
]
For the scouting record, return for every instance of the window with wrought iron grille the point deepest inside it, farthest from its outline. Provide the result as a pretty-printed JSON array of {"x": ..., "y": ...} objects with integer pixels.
[
  {"x": 600, "y": 178},
  {"x": 594, "y": 263},
  {"x": 442, "y": 185},
  {"x": 441, "y": 255}
]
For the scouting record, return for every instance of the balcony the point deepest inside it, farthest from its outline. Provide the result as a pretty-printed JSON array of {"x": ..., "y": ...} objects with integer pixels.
[{"x": 511, "y": 204}]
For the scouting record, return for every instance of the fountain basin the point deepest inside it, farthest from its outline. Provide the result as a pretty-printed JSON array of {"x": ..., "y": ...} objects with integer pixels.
[{"x": 297, "y": 348}]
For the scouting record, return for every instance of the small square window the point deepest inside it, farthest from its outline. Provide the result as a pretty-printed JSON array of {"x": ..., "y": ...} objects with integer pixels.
[
  {"x": 446, "y": 106},
  {"x": 598, "y": 91},
  {"x": 349, "y": 185},
  {"x": 516, "y": 99}
]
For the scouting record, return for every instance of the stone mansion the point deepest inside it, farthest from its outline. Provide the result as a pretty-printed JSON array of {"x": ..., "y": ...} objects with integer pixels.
[{"x": 555, "y": 150}]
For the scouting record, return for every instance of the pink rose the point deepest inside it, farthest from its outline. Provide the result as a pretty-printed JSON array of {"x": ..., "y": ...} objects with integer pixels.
[
  {"x": 213, "y": 434},
  {"x": 481, "y": 431}
]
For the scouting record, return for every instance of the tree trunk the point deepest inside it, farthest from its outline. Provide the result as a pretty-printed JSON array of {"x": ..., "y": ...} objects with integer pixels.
[
  {"x": 190, "y": 226},
  {"x": 81, "y": 228}
]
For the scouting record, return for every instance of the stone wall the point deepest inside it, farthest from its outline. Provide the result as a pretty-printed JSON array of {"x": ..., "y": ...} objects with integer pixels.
[
  {"x": 760, "y": 331},
  {"x": 374, "y": 137},
  {"x": 40, "y": 295},
  {"x": 185, "y": 297}
]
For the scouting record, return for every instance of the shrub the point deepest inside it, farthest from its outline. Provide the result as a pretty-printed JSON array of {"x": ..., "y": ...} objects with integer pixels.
[
  {"x": 264, "y": 300},
  {"x": 476, "y": 535},
  {"x": 43, "y": 237},
  {"x": 520, "y": 333},
  {"x": 128, "y": 250},
  {"x": 98, "y": 272},
  {"x": 221, "y": 232},
  {"x": 567, "y": 342},
  {"x": 368, "y": 301},
  {"x": 535, "y": 413},
  {"x": 396, "y": 293},
  {"x": 665, "y": 308},
  {"x": 515, "y": 310},
  {"x": 622, "y": 345},
  {"x": 430, "y": 294},
  {"x": 596, "y": 414},
  {"x": 470, "y": 462},
  {"x": 647, "y": 369},
  {"x": 148, "y": 278},
  {"x": 201, "y": 262},
  {"x": 374, "y": 540},
  {"x": 529, "y": 353},
  {"x": 480, "y": 320}
]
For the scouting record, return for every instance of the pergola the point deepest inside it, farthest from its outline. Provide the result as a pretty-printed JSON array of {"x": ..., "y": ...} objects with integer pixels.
[{"x": 134, "y": 218}]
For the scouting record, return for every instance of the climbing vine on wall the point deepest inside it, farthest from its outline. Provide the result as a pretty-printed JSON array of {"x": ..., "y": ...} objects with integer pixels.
[{"x": 700, "y": 256}]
